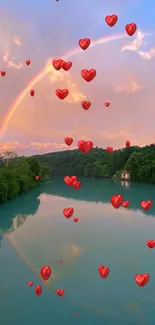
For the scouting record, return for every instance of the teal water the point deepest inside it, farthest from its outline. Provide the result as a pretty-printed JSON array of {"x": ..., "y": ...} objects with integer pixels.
[{"x": 34, "y": 232}]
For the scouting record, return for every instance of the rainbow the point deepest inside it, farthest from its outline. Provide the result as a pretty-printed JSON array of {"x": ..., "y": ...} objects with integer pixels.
[{"x": 48, "y": 68}]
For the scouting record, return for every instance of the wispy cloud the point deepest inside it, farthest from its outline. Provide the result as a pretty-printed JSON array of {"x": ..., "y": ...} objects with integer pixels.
[
  {"x": 37, "y": 147},
  {"x": 6, "y": 57},
  {"x": 17, "y": 40},
  {"x": 128, "y": 88},
  {"x": 47, "y": 145},
  {"x": 14, "y": 65},
  {"x": 11, "y": 145},
  {"x": 115, "y": 135},
  {"x": 136, "y": 44},
  {"x": 147, "y": 55},
  {"x": 11, "y": 61}
]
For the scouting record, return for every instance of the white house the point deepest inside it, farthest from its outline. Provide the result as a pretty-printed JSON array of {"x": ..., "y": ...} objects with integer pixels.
[{"x": 125, "y": 175}]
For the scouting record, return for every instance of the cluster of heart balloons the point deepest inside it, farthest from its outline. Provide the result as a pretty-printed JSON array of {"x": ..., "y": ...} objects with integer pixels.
[
  {"x": 87, "y": 75},
  {"x": 117, "y": 201},
  {"x": 45, "y": 274},
  {"x": 86, "y": 146},
  {"x": 28, "y": 62},
  {"x": 3, "y": 73},
  {"x": 112, "y": 20},
  {"x": 140, "y": 279},
  {"x": 72, "y": 181}
]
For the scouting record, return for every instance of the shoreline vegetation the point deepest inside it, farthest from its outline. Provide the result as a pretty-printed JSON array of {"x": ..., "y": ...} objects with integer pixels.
[{"x": 17, "y": 174}]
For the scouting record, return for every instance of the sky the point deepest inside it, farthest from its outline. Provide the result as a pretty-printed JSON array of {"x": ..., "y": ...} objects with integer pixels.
[{"x": 42, "y": 31}]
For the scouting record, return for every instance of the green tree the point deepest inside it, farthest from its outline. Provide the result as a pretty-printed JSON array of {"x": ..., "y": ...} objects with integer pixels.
[
  {"x": 18, "y": 175},
  {"x": 9, "y": 157},
  {"x": 34, "y": 164}
]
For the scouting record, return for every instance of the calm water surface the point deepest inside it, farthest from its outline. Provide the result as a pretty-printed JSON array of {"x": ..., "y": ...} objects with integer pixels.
[{"x": 34, "y": 232}]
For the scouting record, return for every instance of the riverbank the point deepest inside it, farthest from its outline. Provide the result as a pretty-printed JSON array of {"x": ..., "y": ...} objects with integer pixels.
[
  {"x": 20, "y": 177},
  {"x": 139, "y": 162}
]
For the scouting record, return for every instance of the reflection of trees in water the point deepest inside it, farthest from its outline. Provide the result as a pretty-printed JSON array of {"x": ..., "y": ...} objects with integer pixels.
[
  {"x": 1, "y": 237},
  {"x": 18, "y": 221},
  {"x": 101, "y": 191},
  {"x": 15, "y": 212}
]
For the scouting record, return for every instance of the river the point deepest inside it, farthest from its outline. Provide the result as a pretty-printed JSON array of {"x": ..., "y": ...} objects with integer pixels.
[{"x": 34, "y": 232}]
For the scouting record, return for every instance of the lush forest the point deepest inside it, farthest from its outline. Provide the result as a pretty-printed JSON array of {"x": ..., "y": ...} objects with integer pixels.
[
  {"x": 18, "y": 175},
  {"x": 140, "y": 162}
]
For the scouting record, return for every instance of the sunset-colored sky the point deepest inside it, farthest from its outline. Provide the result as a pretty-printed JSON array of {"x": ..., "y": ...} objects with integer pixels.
[{"x": 45, "y": 30}]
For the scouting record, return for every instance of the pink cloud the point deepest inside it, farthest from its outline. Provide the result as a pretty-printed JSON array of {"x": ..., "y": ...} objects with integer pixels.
[
  {"x": 148, "y": 55},
  {"x": 40, "y": 124},
  {"x": 34, "y": 147}
]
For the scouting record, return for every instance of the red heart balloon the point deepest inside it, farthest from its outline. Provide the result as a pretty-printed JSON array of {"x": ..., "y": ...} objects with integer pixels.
[
  {"x": 30, "y": 283},
  {"x": 150, "y": 243},
  {"x": 66, "y": 65},
  {"x": 107, "y": 104},
  {"x": 62, "y": 93},
  {"x": 146, "y": 204},
  {"x": 117, "y": 200},
  {"x": 111, "y": 20},
  {"x": 3, "y": 73},
  {"x": 85, "y": 146},
  {"x": 125, "y": 204},
  {"x": 60, "y": 292},
  {"x": 28, "y": 62},
  {"x": 85, "y": 105},
  {"x": 38, "y": 290},
  {"x": 32, "y": 92},
  {"x": 68, "y": 141},
  {"x": 127, "y": 143},
  {"x": 57, "y": 64},
  {"x": 142, "y": 279},
  {"x": 68, "y": 212},
  {"x": 77, "y": 185},
  {"x": 45, "y": 272},
  {"x": 88, "y": 75},
  {"x": 100, "y": 268},
  {"x": 84, "y": 43},
  {"x": 37, "y": 178},
  {"x": 69, "y": 180},
  {"x": 104, "y": 271},
  {"x": 109, "y": 149},
  {"x": 131, "y": 29},
  {"x": 76, "y": 219}
]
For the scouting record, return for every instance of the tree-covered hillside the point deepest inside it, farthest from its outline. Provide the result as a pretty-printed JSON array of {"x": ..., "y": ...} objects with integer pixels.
[
  {"x": 18, "y": 175},
  {"x": 140, "y": 162}
]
